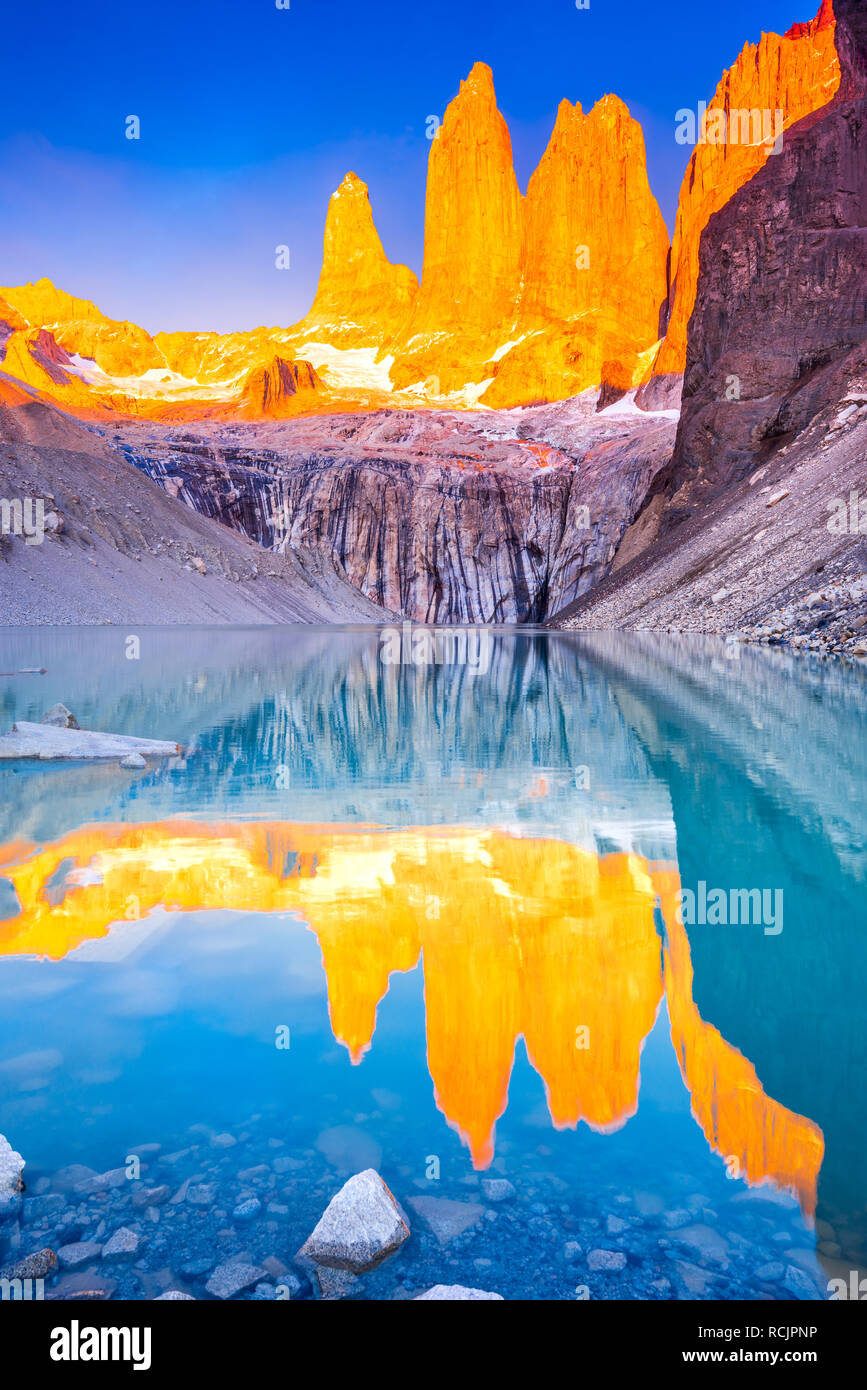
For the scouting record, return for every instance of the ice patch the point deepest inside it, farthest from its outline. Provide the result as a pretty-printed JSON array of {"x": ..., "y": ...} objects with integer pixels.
[
  {"x": 626, "y": 407},
  {"x": 349, "y": 368},
  {"x": 155, "y": 384}
]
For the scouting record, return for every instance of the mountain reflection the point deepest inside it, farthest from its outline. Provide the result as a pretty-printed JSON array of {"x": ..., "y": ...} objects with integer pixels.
[{"x": 519, "y": 937}]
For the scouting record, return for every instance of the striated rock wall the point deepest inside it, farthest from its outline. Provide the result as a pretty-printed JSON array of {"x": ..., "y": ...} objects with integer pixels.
[{"x": 443, "y": 518}]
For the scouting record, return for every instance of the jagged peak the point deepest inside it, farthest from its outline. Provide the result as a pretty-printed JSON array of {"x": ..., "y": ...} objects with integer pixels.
[
  {"x": 823, "y": 20},
  {"x": 610, "y": 107},
  {"x": 480, "y": 81},
  {"x": 351, "y": 184}
]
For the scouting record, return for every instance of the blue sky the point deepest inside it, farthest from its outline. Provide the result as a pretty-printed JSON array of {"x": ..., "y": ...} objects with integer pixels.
[{"x": 251, "y": 115}]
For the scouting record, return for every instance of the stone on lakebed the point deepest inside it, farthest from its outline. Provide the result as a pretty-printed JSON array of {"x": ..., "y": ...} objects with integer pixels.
[
  {"x": 361, "y": 1226},
  {"x": 230, "y": 1278},
  {"x": 446, "y": 1217}
]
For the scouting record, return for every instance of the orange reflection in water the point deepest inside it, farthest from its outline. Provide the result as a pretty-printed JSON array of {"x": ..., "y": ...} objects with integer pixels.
[{"x": 519, "y": 937}]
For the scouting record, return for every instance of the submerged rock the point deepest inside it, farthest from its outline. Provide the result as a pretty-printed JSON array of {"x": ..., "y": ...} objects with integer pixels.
[
  {"x": 446, "y": 1217},
  {"x": 447, "y": 1293},
  {"x": 349, "y": 1149},
  {"x": 334, "y": 1283},
  {"x": 174, "y": 1295},
  {"x": 123, "y": 1245},
  {"x": 35, "y": 1266},
  {"x": 361, "y": 1226},
  {"x": 79, "y": 1252},
  {"x": 498, "y": 1189},
  {"x": 609, "y": 1260},
  {"x": 233, "y": 1276}
]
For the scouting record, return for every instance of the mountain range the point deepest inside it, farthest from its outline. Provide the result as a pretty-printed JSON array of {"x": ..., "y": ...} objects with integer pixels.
[
  {"x": 524, "y": 298},
  {"x": 566, "y": 420}
]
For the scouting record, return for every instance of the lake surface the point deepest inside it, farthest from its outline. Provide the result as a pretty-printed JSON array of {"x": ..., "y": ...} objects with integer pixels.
[{"x": 588, "y": 917}]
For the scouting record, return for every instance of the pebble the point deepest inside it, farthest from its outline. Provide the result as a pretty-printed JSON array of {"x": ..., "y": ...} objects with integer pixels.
[
  {"x": 610, "y": 1260},
  {"x": 498, "y": 1189},
  {"x": 123, "y": 1245},
  {"x": 230, "y": 1278},
  {"x": 202, "y": 1194},
  {"x": 247, "y": 1210},
  {"x": 78, "y": 1253}
]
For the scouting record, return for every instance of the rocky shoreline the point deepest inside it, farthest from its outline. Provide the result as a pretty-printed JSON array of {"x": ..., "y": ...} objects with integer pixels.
[{"x": 215, "y": 1219}]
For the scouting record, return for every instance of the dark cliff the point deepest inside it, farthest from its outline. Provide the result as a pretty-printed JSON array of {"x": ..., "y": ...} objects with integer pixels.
[{"x": 779, "y": 329}]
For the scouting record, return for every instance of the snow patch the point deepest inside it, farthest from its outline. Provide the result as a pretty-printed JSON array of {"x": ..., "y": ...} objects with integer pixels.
[{"x": 349, "y": 368}]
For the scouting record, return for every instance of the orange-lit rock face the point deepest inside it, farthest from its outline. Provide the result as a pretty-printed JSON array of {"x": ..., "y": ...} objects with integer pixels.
[
  {"x": 278, "y": 389},
  {"x": 757, "y": 1137},
  {"x": 519, "y": 938},
  {"x": 120, "y": 348},
  {"x": 595, "y": 259},
  {"x": 362, "y": 298},
  {"x": 796, "y": 74},
  {"x": 472, "y": 244}
]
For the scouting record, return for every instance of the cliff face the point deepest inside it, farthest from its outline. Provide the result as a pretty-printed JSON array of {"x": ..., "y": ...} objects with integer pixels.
[
  {"x": 472, "y": 245},
  {"x": 779, "y": 330},
  {"x": 739, "y": 534},
  {"x": 594, "y": 261},
  {"x": 796, "y": 74},
  {"x": 277, "y": 389},
  {"x": 124, "y": 550},
  {"x": 119, "y": 348},
  {"x": 444, "y": 518},
  {"x": 362, "y": 298}
]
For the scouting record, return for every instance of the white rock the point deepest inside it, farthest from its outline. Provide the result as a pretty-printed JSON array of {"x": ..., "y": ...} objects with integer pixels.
[
  {"x": 11, "y": 1168},
  {"x": 51, "y": 744},
  {"x": 447, "y": 1293},
  {"x": 60, "y": 717},
  {"x": 359, "y": 1228},
  {"x": 133, "y": 761}
]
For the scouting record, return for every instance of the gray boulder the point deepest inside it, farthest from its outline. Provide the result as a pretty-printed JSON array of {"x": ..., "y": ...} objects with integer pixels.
[
  {"x": 11, "y": 1183},
  {"x": 361, "y": 1226},
  {"x": 60, "y": 717}
]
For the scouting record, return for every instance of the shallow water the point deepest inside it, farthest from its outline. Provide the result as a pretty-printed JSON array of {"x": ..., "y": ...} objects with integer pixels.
[{"x": 425, "y": 919}]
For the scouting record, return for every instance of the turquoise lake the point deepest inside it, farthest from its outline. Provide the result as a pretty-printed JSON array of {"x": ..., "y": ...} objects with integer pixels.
[{"x": 588, "y": 917}]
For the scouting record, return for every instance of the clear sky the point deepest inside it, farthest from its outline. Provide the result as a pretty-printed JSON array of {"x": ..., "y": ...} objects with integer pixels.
[{"x": 251, "y": 115}]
